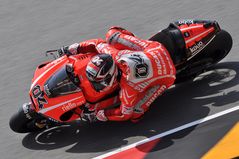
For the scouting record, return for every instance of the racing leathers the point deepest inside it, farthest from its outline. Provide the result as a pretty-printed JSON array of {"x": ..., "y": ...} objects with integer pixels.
[{"x": 146, "y": 71}]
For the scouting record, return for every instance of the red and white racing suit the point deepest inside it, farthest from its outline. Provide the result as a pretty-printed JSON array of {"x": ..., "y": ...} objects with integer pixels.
[{"x": 147, "y": 71}]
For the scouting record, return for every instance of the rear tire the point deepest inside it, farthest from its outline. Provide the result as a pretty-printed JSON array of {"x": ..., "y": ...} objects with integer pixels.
[
  {"x": 214, "y": 52},
  {"x": 219, "y": 47}
]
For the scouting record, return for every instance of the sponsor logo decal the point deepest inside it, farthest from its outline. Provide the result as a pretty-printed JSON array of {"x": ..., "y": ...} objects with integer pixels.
[
  {"x": 47, "y": 90},
  {"x": 136, "y": 41},
  {"x": 151, "y": 94},
  {"x": 155, "y": 95},
  {"x": 26, "y": 109},
  {"x": 158, "y": 63},
  {"x": 186, "y": 21},
  {"x": 197, "y": 47},
  {"x": 38, "y": 94},
  {"x": 141, "y": 68},
  {"x": 68, "y": 106},
  {"x": 114, "y": 38}
]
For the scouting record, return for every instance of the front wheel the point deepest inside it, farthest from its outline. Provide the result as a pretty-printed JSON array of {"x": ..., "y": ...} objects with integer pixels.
[{"x": 21, "y": 124}]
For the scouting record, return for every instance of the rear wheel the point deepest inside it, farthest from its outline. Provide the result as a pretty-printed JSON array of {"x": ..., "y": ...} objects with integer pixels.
[
  {"x": 214, "y": 52},
  {"x": 219, "y": 47}
]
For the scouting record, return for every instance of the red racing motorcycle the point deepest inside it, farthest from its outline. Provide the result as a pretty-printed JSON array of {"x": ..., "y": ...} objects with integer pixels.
[{"x": 57, "y": 99}]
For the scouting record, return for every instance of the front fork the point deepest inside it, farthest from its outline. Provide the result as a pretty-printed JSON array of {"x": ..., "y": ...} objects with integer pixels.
[
  {"x": 36, "y": 120},
  {"x": 28, "y": 110}
]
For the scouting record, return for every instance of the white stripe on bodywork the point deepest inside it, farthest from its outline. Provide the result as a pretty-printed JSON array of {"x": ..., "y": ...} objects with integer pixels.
[
  {"x": 43, "y": 74},
  {"x": 193, "y": 27},
  {"x": 189, "y": 40},
  {"x": 57, "y": 105},
  {"x": 39, "y": 77},
  {"x": 138, "y": 107},
  {"x": 195, "y": 53}
]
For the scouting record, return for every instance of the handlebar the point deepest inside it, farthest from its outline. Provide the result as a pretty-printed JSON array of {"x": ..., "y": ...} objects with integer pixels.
[{"x": 54, "y": 53}]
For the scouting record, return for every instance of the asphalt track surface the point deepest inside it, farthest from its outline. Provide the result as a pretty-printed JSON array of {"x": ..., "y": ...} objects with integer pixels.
[{"x": 28, "y": 28}]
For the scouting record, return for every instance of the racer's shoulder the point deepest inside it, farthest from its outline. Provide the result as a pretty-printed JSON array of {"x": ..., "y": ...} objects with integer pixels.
[
  {"x": 130, "y": 56},
  {"x": 136, "y": 67}
]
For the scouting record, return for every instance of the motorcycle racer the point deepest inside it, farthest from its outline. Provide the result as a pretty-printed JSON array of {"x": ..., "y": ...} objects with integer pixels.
[
  {"x": 141, "y": 69},
  {"x": 92, "y": 77}
]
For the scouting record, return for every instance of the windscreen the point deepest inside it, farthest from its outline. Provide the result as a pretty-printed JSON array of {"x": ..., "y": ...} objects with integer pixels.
[{"x": 60, "y": 84}]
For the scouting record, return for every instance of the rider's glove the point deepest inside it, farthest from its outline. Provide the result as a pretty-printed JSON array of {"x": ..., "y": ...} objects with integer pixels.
[
  {"x": 88, "y": 115},
  {"x": 101, "y": 116},
  {"x": 63, "y": 51},
  {"x": 68, "y": 50}
]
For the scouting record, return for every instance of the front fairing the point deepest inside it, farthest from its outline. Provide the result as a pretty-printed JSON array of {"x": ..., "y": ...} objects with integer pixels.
[
  {"x": 55, "y": 106},
  {"x": 61, "y": 83}
]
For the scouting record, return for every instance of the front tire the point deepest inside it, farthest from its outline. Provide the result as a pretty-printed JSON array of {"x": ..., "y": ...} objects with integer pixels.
[{"x": 21, "y": 124}]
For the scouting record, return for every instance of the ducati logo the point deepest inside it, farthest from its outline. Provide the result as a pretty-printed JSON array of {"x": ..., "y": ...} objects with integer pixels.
[{"x": 141, "y": 68}]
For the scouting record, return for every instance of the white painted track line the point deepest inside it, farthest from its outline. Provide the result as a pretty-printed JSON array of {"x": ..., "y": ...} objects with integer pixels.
[{"x": 169, "y": 132}]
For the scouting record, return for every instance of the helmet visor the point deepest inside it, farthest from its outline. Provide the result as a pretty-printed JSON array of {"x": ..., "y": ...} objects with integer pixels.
[{"x": 101, "y": 84}]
